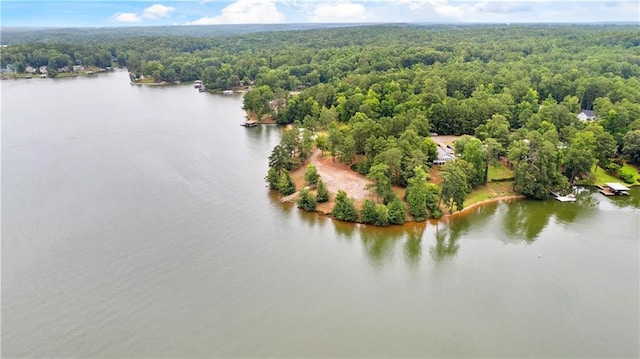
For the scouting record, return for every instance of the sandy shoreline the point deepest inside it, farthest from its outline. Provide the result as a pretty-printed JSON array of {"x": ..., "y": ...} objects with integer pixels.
[
  {"x": 473, "y": 206},
  {"x": 323, "y": 210}
]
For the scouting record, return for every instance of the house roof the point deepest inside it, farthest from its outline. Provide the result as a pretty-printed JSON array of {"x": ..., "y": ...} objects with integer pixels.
[
  {"x": 442, "y": 153},
  {"x": 616, "y": 186},
  {"x": 589, "y": 113}
]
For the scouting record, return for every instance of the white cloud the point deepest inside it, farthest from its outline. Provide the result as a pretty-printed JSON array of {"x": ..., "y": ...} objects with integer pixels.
[
  {"x": 340, "y": 12},
  {"x": 126, "y": 17},
  {"x": 157, "y": 11},
  {"x": 245, "y": 12},
  {"x": 440, "y": 7}
]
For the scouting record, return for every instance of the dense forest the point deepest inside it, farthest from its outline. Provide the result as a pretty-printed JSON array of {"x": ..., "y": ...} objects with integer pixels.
[{"x": 372, "y": 96}]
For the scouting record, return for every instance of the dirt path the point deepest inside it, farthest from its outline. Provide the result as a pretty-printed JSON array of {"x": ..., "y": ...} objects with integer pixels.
[{"x": 338, "y": 176}]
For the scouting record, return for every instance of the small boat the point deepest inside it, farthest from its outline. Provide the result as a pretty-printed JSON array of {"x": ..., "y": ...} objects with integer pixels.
[
  {"x": 568, "y": 198},
  {"x": 227, "y": 92},
  {"x": 197, "y": 84},
  {"x": 250, "y": 123}
]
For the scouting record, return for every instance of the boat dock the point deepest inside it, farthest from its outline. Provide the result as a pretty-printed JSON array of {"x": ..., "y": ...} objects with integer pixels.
[
  {"x": 250, "y": 123},
  {"x": 613, "y": 189}
]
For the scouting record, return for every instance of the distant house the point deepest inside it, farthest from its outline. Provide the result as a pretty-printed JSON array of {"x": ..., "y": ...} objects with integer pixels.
[
  {"x": 444, "y": 155},
  {"x": 64, "y": 69},
  {"x": 30, "y": 70},
  {"x": 587, "y": 115},
  {"x": 43, "y": 70},
  {"x": 78, "y": 68},
  {"x": 278, "y": 104}
]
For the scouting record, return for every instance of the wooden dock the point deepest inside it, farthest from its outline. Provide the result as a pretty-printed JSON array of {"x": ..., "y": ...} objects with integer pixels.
[{"x": 613, "y": 189}]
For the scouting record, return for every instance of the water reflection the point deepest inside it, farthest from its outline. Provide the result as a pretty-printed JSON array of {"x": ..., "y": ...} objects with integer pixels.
[
  {"x": 344, "y": 229},
  {"x": 413, "y": 244},
  {"x": 528, "y": 218},
  {"x": 283, "y": 208},
  {"x": 379, "y": 244},
  {"x": 449, "y": 230},
  {"x": 313, "y": 219},
  {"x": 263, "y": 131},
  {"x": 633, "y": 200},
  {"x": 522, "y": 220}
]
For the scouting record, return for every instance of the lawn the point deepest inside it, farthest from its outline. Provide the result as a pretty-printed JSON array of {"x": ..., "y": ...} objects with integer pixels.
[
  {"x": 600, "y": 176},
  {"x": 489, "y": 191},
  {"x": 499, "y": 172}
]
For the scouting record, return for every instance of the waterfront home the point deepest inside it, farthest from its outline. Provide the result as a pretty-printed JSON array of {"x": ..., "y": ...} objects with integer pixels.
[{"x": 445, "y": 154}]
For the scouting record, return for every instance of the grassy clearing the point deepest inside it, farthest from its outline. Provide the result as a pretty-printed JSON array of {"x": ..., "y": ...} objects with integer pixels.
[
  {"x": 599, "y": 176},
  {"x": 489, "y": 191},
  {"x": 499, "y": 172}
]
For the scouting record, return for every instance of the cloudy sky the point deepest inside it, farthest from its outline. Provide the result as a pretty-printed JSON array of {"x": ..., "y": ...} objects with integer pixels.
[{"x": 102, "y": 13}]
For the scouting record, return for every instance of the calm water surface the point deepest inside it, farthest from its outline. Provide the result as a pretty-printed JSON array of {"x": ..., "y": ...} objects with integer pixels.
[{"x": 136, "y": 223}]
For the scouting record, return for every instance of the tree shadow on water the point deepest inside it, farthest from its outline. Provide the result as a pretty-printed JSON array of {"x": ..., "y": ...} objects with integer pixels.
[
  {"x": 379, "y": 243},
  {"x": 446, "y": 238},
  {"x": 413, "y": 243},
  {"x": 526, "y": 219},
  {"x": 344, "y": 229}
]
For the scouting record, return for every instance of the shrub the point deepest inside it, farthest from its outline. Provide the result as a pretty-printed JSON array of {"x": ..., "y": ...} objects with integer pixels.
[
  {"x": 382, "y": 215},
  {"x": 323, "y": 194},
  {"x": 613, "y": 167},
  {"x": 311, "y": 174},
  {"x": 344, "y": 209},
  {"x": 368, "y": 212},
  {"x": 306, "y": 200},
  {"x": 627, "y": 174},
  {"x": 272, "y": 178},
  {"x": 396, "y": 211},
  {"x": 286, "y": 185}
]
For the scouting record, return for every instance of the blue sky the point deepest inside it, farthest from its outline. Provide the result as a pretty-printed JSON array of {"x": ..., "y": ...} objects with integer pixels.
[{"x": 101, "y": 13}]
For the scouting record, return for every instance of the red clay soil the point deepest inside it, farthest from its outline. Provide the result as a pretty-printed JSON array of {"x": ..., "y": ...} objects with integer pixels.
[
  {"x": 266, "y": 119},
  {"x": 336, "y": 176}
]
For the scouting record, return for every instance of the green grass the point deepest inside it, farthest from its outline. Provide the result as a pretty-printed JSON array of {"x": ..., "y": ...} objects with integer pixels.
[
  {"x": 600, "y": 176},
  {"x": 499, "y": 172},
  {"x": 488, "y": 191}
]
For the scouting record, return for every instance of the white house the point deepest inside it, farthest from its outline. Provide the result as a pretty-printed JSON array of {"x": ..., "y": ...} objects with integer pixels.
[
  {"x": 587, "y": 115},
  {"x": 445, "y": 154}
]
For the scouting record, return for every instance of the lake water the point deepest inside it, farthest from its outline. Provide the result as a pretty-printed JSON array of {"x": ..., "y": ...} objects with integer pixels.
[{"x": 136, "y": 223}]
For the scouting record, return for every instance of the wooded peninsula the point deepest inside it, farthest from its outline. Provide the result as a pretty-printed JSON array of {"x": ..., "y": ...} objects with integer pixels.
[{"x": 535, "y": 109}]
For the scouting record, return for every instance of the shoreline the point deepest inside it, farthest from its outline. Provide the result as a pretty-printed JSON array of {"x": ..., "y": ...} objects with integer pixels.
[
  {"x": 445, "y": 217},
  {"x": 465, "y": 211}
]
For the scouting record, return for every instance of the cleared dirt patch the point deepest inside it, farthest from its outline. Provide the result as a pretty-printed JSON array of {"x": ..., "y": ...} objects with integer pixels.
[{"x": 338, "y": 176}]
